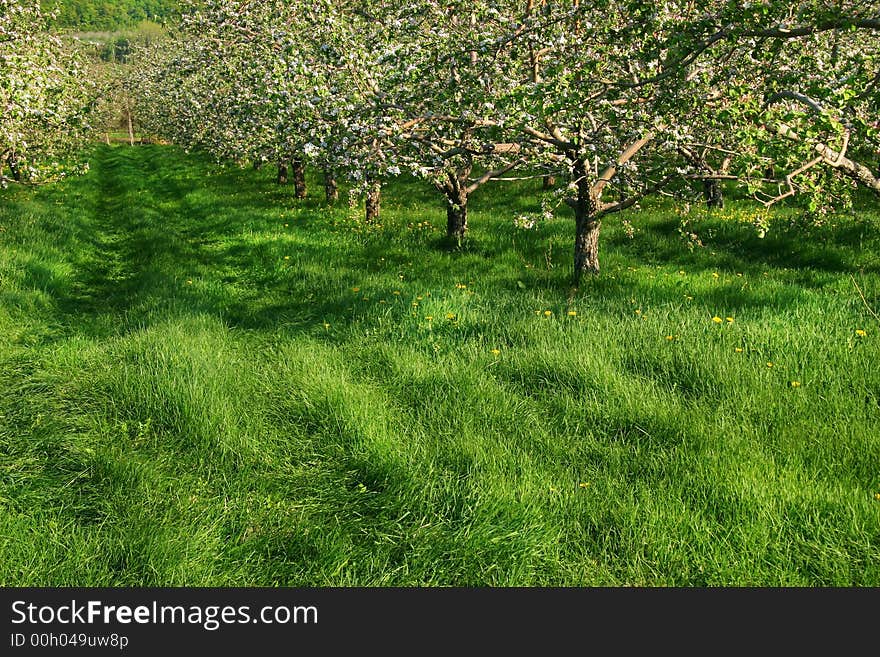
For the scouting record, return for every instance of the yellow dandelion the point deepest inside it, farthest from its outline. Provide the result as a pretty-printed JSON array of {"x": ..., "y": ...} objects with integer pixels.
[
  {"x": 877, "y": 496},
  {"x": 286, "y": 225},
  {"x": 861, "y": 333},
  {"x": 688, "y": 297},
  {"x": 415, "y": 304},
  {"x": 638, "y": 311},
  {"x": 450, "y": 316},
  {"x": 430, "y": 318},
  {"x": 397, "y": 293},
  {"x": 584, "y": 484},
  {"x": 738, "y": 350},
  {"x": 189, "y": 282},
  {"x": 355, "y": 289},
  {"x": 547, "y": 313},
  {"x": 670, "y": 337},
  {"x": 729, "y": 320},
  {"x": 769, "y": 364},
  {"x": 287, "y": 257},
  {"x": 419, "y": 298},
  {"x": 681, "y": 272},
  {"x": 572, "y": 313},
  {"x": 795, "y": 384},
  {"x": 326, "y": 325},
  {"x": 715, "y": 274},
  {"x": 717, "y": 319},
  {"x": 495, "y": 352}
]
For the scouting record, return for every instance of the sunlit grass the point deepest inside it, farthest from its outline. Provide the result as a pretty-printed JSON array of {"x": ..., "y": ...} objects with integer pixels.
[{"x": 204, "y": 381}]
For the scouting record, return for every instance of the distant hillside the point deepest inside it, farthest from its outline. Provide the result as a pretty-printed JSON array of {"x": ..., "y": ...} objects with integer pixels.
[{"x": 110, "y": 14}]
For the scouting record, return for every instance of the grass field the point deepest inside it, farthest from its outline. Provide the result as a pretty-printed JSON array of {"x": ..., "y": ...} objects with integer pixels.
[{"x": 205, "y": 382}]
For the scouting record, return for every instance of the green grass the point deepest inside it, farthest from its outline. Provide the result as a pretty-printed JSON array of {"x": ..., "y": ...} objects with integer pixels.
[{"x": 205, "y": 382}]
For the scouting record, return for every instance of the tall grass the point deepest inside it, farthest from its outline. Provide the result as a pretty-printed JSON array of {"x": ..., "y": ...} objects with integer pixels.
[{"x": 204, "y": 381}]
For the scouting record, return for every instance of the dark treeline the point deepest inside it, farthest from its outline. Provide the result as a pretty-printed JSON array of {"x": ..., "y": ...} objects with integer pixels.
[{"x": 110, "y": 14}]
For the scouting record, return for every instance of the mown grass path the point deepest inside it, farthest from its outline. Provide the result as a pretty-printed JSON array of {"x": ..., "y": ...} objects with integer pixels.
[{"x": 204, "y": 381}]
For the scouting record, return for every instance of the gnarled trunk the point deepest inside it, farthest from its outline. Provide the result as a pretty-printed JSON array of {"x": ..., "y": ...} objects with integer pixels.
[
  {"x": 587, "y": 226},
  {"x": 586, "y": 247},
  {"x": 299, "y": 178},
  {"x": 282, "y": 173},
  {"x": 374, "y": 197},
  {"x": 456, "y": 217},
  {"x": 455, "y": 189},
  {"x": 331, "y": 189},
  {"x": 712, "y": 193}
]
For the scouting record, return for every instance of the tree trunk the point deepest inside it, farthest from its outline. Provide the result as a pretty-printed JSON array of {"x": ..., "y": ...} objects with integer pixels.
[
  {"x": 712, "y": 193},
  {"x": 130, "y": 125},
  {"x": 12, "y": 161},
  {"x": 587, "y": 226},
  {"x": 282, "y": 173},
  {"x": 549, "y": 182},
  {"x": 331, "y": 189},
  {"x": 299, "y": 178},
  {"x": 374, "y": 196},
  {"x": 456, "y": 217}
]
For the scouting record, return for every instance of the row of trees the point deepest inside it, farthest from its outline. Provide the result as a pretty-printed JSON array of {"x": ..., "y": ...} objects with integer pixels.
[
  {"x": 617, "y": 98},
  {"x": 47, "y": 93},
  {"x": 109, "y": 14}
]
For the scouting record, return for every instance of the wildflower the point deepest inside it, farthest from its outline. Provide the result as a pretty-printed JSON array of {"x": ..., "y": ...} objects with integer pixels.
[
  {"x": 419, "y": 298},
  {"x": 795, "y": 384},
  {"x": 547, "y": 313},
  {"x": 769, "y": 364},
  {"x": 287, "y": 257},
  {"x": 326, "y": 325},
  {"x": 670, "y": 337},
  {"x": 495, "y": 352},
  {"x": 397, "y": 293},
  {"x": 638, "y": 311},
  {"x": 729, "y": 320},
  {"x": 715, "y": 274},
  {"x": 430, "y": 318},
  {"x": 450, "y": 316},
  {"x": 537, "y": 312},
  {"x": 189, "y": 282},
  {"x": 688, "y": 297},
  {"x": 355, "y": 289},
  {"x": 584, "y": 484},
  {"x": 738, "y": 350},
  {"x": 681, "y": 272},
  {"x": 861, "y": 333},
  {"x": 554, "y": 490},
  {"x": 572, "y": 313},
  {"x": 877, "y": 496},
  {"x": 717, "y": 319}
]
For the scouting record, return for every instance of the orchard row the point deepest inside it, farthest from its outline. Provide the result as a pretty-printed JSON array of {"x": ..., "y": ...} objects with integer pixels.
[{"x": 616, "y": 99}]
